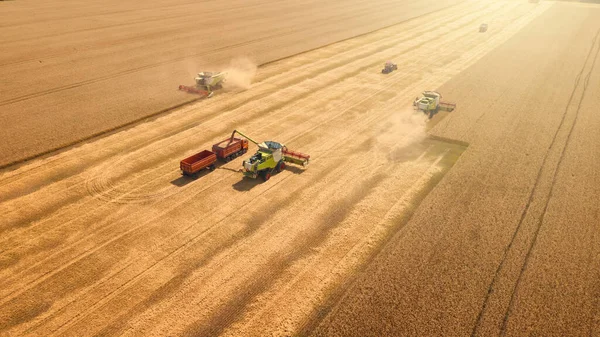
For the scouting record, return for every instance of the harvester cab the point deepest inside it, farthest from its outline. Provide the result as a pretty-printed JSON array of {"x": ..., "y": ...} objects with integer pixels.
[{"x": 431, "y": 103}]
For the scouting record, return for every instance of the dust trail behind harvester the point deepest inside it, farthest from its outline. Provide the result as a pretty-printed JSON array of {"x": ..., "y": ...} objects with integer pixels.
[
  {"x": 240, "y": 73},
  {"x": 407, "y": 130}
]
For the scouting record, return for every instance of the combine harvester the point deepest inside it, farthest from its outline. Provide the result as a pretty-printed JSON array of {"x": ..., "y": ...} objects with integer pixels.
[
  {"x": 270, "y": 158},
  {"x": 205, "y": 83},
  {"x": 431, "y": 103}
]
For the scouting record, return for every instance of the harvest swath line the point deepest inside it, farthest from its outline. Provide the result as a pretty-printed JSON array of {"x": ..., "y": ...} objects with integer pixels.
[
  {"x": 295, "y": 99},
  {"x": 162, "y": 111},
  {"x": 227, "y": 313},
  {"x": 88, "y": 252},
  {"x": 193, "y": 239},
  {"x": 130, "y": 263},
  {"x": 297, "y": 79},
  {"x": 530, "y": 199},
  {"x": 342, "y": 141},
  {"x": 261, "y": 281}
]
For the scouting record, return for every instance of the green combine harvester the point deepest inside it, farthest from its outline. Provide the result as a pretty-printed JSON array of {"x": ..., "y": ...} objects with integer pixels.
[
  {"x": 431, "y": 103},
  {"x": 270, "y": 158},
  {"x": 205, "y": 83}
]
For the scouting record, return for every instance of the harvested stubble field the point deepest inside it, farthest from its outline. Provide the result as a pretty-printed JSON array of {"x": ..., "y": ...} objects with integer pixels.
[{"x": 388, "y": 232}]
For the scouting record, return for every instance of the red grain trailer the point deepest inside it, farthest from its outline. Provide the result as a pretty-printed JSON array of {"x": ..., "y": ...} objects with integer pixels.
[
  {"x": 230, "y": 148},
  {"x": 194, "y": 164}
]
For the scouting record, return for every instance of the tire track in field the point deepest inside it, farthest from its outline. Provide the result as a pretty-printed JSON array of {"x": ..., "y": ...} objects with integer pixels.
[
  {"x": 540, "y": 220},
  {"x": 503, "y": 261},
  {"x": 295, "y": 79},
  {"x": 171, "y": 286},
  {"x": 78, "y": 140},
  {"x": 264, "y": 279},
  {"x": 203, "y": 232},
  {"x": 253, "y": 225},
  {"x": 266, "y": 126},
  {"x": 86, "y": 253},
  {"x": 286, "y": 178},
  {"x": 296, "y": 98}
]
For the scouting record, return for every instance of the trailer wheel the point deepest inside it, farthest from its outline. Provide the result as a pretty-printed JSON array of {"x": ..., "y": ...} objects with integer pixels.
[
  {"x": 227, "y": 159},
  {"x": 211, "y": 167}
]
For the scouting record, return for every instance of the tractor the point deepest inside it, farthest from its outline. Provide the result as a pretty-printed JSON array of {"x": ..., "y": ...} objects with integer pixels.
[{"x": 389, "y": 67}]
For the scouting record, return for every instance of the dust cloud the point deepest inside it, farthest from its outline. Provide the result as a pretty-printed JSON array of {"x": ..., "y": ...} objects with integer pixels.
[
  {"x": 406, "y": 131},
  {"x": 240, "y": 73}
]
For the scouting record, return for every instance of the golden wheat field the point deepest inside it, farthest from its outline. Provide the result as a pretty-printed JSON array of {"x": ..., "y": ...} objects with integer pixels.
[{"x": 481, "y": 221}]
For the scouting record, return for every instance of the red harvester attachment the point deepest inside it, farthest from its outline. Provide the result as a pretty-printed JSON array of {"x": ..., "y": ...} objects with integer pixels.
[{"x": 194, "y": 90}]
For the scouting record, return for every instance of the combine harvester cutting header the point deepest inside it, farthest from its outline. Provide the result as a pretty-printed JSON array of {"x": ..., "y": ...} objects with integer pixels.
[
  {"x": 431, "y": 103},
  {"x": 205, "y": 83}
]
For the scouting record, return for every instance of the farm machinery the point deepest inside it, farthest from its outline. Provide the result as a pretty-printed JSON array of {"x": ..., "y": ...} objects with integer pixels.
[
  {"x": 431, "y": 103},
  {"x": 270, "y": 158},
  {"x": 389, "y": 67},
  {"x": 205, "y": 83}
]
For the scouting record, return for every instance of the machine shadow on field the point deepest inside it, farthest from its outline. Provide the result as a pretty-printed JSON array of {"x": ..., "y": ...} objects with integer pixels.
[
  {"x": 183, "y": 180},
  {"x": 446, "y": 153},
  {"x": 294, "y": 169},
  {"x": 186, "y": 179},
  {"x": 246, "y": 184}
]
